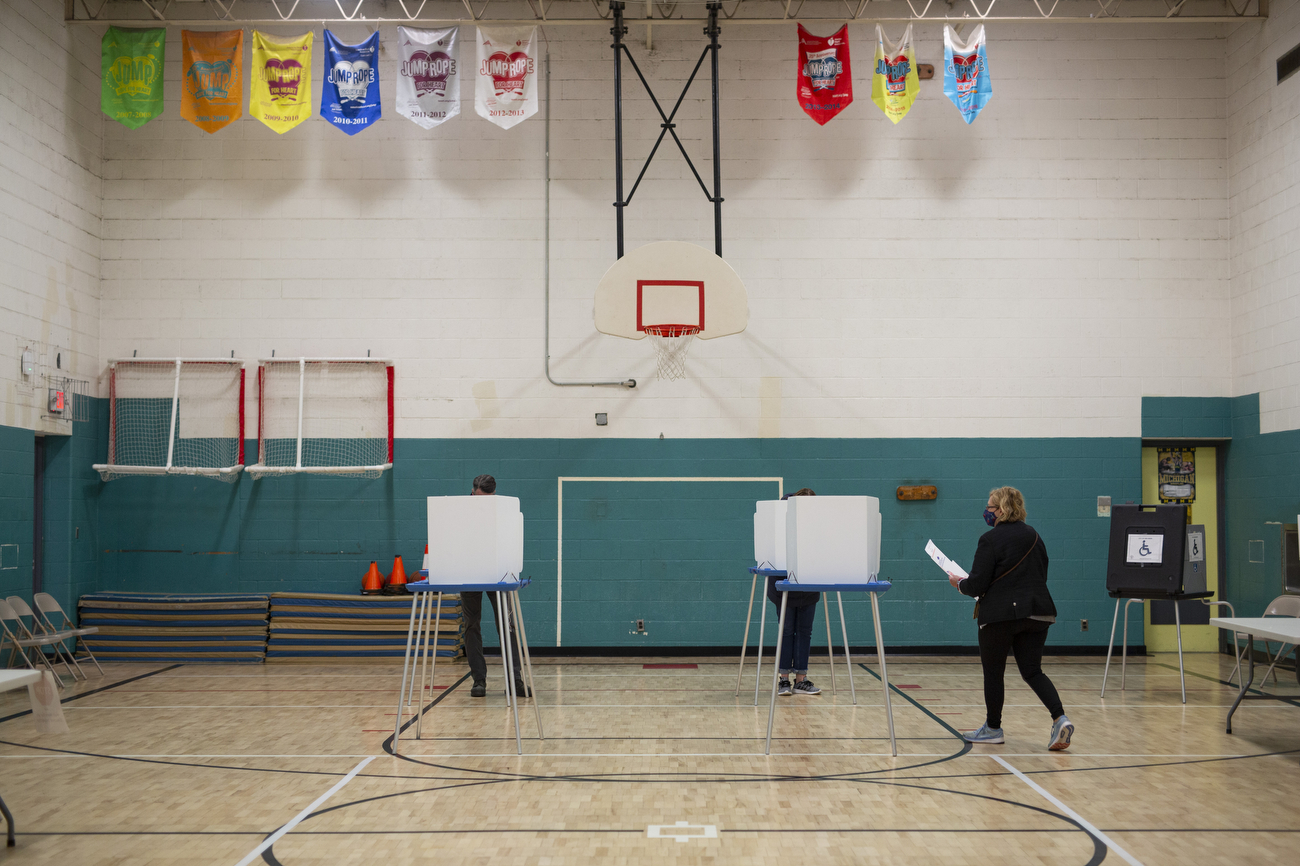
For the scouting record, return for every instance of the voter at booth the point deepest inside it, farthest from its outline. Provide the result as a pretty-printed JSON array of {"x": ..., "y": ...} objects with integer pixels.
[
  {"x": 471, "y": 606},
  {"x": 1008, "y": 579},
  {"x": 796, "y": 642}
]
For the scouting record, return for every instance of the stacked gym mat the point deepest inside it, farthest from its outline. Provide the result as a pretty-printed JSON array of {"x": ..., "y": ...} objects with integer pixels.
[
  {"x": 321, "y": 627},
  {"x": 169, "y": 627}
]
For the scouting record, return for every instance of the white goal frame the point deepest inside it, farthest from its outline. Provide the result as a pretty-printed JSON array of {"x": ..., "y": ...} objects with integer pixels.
[
  {"x": 261, "y": 469},
  {"x": 113, "y": 470}
]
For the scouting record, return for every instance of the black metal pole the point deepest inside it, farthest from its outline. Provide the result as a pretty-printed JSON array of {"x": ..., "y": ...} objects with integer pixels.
[
  {"x": 617, "y": 31},
  {"x": 712, "y": 32}
]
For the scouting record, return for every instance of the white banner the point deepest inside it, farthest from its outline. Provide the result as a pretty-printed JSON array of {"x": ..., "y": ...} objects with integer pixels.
[
  {"x": 428, "y": 78},
  {"x": 505, "y": 89}
]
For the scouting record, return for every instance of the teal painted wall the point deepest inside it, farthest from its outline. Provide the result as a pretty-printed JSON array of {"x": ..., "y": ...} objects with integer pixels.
[
  {"x": 1263, "y": 490},
  {"x": 672, "y": 553},
  {"x": 1187, "y": 417},
  {"x": 16, "y": 462}
]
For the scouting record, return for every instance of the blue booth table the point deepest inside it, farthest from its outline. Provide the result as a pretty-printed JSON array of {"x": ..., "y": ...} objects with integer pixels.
[
  {"x": 417, "y": 653},
  {"x": 874, "y": 587}
]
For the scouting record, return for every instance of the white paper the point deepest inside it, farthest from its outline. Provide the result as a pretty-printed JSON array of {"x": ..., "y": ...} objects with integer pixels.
[
  {"x": 942, "y": 561},
  {"x": 1145, "y": 549}
]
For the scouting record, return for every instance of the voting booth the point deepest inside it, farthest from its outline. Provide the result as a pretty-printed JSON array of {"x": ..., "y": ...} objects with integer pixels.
[
  {"x": 475, "y": 539},
  {"x": 832, "y": 539},
  {"x": 769, "y": 534}
]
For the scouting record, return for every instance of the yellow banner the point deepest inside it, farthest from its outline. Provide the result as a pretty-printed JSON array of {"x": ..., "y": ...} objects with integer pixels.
[
  {"x": 212, "y": 66},
  {"x": 280, "y": 95},
  {"x": 895, "y": 82}
]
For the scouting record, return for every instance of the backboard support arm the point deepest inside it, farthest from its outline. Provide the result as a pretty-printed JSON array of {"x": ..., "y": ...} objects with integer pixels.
[{"x": 666, "y": 127}]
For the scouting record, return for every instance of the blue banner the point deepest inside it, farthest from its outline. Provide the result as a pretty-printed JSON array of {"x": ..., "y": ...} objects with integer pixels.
[
  {"x": 966, "y": 72},
  {"x": 349, "y": 94}
]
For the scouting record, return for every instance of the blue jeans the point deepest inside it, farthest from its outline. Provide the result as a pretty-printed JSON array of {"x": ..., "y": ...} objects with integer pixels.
[{"x": 796, "y": 640}]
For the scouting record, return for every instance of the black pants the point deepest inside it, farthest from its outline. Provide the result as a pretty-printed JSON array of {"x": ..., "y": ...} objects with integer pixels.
[
  {"x": 1026, "y": 638},
  {"x": 471, "y": 607}
]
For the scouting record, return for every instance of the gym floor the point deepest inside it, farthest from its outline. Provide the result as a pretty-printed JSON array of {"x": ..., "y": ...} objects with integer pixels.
[{"x": 646, "y": 764}]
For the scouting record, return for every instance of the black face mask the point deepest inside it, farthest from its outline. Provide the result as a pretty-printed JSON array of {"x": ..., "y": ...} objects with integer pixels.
[{"x": 990, "y": 518}]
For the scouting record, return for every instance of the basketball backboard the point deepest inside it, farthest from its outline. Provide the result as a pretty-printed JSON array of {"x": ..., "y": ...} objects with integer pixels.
[{"x": 671, "y": 285}]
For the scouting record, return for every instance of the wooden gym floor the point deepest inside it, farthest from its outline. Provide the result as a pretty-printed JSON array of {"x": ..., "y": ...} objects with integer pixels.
[{"x": 201, "y": 763}]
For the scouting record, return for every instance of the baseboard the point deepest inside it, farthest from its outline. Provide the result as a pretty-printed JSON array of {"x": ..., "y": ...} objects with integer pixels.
[{"x": 733, "y": 653}]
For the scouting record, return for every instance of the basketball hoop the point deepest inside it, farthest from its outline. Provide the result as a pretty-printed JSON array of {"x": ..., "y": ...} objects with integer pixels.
[{"x": 671, "y": 342}]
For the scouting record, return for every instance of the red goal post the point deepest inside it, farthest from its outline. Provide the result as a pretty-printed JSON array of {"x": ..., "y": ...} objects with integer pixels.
[
  {"x": 175, "y": 416},
  {"x": 324, "y": 416}
]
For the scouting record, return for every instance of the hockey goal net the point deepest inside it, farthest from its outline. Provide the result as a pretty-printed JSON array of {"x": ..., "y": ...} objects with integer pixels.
[
  {"x": 175, "y": 416},
  {"x": 324, "y": 416}
]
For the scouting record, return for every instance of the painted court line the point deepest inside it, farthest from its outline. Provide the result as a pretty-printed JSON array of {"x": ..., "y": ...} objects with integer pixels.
[
  {"x": 297, "y": 819},
  {"x": 1127, "y": 857}
]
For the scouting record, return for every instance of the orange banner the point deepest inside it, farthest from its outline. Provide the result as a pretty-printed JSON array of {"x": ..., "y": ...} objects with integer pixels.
[{"x": 212, "y": 67}]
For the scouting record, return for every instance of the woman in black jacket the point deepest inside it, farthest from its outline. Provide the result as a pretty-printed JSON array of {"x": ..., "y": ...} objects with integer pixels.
[{"x": 1009, "y": 580}]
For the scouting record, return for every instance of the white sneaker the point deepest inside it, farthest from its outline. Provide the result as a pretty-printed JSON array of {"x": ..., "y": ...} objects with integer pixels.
[{"x": 985, "y": 735}]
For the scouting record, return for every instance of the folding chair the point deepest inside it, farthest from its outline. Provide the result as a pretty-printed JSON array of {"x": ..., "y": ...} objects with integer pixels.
[
  {"x": 39, "y": 630},
  {"x": 48, "y": 607},
  {"x": 20, "y": 645},
  {"x": 1283, "y": 605}
]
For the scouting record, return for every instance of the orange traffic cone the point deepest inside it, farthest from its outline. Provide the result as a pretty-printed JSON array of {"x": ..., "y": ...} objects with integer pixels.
[
  {"x": 425, "y": 567},
  {"x": 396, "y": 580},
  {"x": 373, "y": 582}
]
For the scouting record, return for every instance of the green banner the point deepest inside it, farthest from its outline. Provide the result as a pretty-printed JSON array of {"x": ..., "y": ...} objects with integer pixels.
[{"x": 132, "y": 60}]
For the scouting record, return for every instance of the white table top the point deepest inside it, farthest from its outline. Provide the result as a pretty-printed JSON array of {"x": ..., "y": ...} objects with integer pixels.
[
  {"x": 1283, "y": 628},
  {"x": 18, "y": 679}
]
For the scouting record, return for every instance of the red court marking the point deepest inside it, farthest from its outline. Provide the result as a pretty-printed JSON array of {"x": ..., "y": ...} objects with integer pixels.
[
  {"x": 909, "y": 687},
  {"x": 685, "y": 667}
]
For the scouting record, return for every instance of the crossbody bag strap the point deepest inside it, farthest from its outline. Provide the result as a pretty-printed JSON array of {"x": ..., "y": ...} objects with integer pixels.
[{"x": 1005, "y": 573}]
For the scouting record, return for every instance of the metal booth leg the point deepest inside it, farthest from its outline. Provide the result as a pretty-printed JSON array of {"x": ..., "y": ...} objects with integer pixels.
[
  {"x": 503, "y": 622},
  {"x": 433, "y": 663},
  {"x": 1109, "y": 648},
  {"x": 884, "y": 673},
  {"x": 776, "y": 669},
  {"x": 744, "y": 644},
  {"x": 848, "y": 661},
  {"x": 758, "y": 660},
  {"x": 406, "y": 665},
  {"x": 527, "y": 657},
  {"x": 830, "y": 644},
  {"x": 422, "y": 656},
  {"x": 1123, "y": 661},
  {"x": 1178, "y": 624}
]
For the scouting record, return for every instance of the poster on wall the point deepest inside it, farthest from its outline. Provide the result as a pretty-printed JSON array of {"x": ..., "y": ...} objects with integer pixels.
[
  {"x": 966, "y": 72},
  {"x": 505, "y": 80},
  {"x": 280, "y": 95},
  {"x": 895, "y": 83},
  {"x": 132, "y": 64},
  {"x": 349, "y": 92},
  {"x": 824, "y": 84},
  {"x": 428, "y": 79},
  {"x": 1176, "y": 474},
  {"x": 212, "y": 84}
]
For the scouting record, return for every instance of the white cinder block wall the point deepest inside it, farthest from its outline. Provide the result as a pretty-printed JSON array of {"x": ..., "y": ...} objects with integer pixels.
[
  {"x": 1033, "y": 274},
  {"x": 50, "y": 157},
  {"x": 1264, "y": 170}
]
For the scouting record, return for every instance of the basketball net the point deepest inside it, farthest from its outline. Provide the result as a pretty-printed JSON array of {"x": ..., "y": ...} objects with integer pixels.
[{"x": 671, "y": 343}]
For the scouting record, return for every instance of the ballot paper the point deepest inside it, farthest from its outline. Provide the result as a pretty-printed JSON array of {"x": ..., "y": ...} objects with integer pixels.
[{"x": 944, "y": 562}]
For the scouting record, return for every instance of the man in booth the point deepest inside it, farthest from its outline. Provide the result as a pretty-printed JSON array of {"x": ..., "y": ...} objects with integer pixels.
[{"x": 471, "y": 607}]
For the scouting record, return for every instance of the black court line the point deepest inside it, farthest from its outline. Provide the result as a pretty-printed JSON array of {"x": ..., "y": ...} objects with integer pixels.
[
  {"x": 576, "y": 830},
  {"x": 98, "y": 690}
]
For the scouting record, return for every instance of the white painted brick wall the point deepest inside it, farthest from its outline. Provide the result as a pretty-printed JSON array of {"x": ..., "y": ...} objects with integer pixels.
[
  {"x": 1264, "y": 166},
  {"x": 50, "y": 157},
  {"x": 1033, "y": 274}
]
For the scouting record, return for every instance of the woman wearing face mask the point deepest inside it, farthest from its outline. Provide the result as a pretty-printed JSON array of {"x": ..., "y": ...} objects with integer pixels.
[{"x": 1014, "y": 609}]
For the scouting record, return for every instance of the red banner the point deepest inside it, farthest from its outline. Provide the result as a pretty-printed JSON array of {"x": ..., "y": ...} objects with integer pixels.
[{"x": 825, "y": 86}]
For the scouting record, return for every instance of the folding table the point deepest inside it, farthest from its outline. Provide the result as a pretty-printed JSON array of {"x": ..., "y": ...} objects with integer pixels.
[
  {"x": 15, "y": 680},
  {"x": 1280, "y": 628},
  {"x": 874, "y": 587},
  {"x": 421, "y": 606}
]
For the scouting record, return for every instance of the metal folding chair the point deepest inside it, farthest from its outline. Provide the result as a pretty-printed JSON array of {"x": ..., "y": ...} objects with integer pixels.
[
  {"x": 47, "y": 607},
  {"x": 40, "y": 630},
  {"x": 1283, "y": 605},
  {"x": 20, "y": 645}
]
